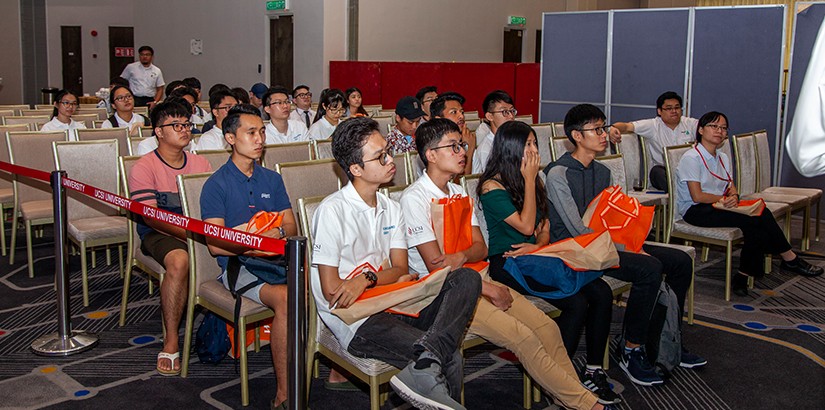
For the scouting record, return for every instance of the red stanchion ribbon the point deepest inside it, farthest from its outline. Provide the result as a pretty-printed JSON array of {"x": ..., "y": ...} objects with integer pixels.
[{"x": 190, "y": 224}]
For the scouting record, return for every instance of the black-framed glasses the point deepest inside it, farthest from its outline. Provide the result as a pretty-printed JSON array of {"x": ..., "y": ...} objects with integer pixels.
[
  {"x": 599, "y": 130},
  {"x": 339, "y": 110},
  {"x": 281, "y": 103},
  {"x": 506, "y": 113},
  {"x": 456, "y": 146},
  {"x": 718, "y": 127},
  {"x": 384, "y": 157},
  {"x": 66, "y": 103},
  {"x": 225, "y": 107},
  {"x": 124, "y": 97},
  {"x": 672, "y": 108},
  {"x": 304, "y": 95},
  {"x": 178, "y": 126}
]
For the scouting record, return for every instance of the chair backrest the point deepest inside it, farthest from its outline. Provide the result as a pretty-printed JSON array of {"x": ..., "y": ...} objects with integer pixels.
[
  {"x": 91, "y": 162},
  {"x": 632, "y": 156},
  {"x": 6, "y": 177},
  {"x": 133, "y": 143},
  {"x": 616, "y": 166},
  {"x": 291, "y": 152},
  {"x": 560, "y": 146},
  {"x": 216, "y": 157},
  {"x": 386, "y": 113},
  {"x": 384, "y": 124},
  {"x": 527, "y": 119},
  {"x": 100, "y": 113},
  {"x": 203, "y": 266},
  {"x": 746, "y": 169},
  {"x": 726, "y": 148},
  {"x": 37, "y": 112},
  {"x": 36, "y": 122},
  {"x": 323, "y": 149},
  {"x": 394, "y": 192},
  {"x": 16, "y": 127},
  {"x": 125, "y": 164},
  {"x": 87, "y": 119},
  {"x": 7, "y": 113},
  {"x": 42, "y": 106},
  {"x": 146, "y": 131},
  {"x": 544, "y": 134},
  {"x": 402, "y": 171},
  {"x": 763, "y": 160},
  {"x": 307, "y": 208},
  {"x": 304, "y": 179},
  {"x": 15, "y": 107},
  {"x": 27, "y": 149},
  {"x": 673, "y": 155},
  {"x": 472, "y": 124},
  {"x": 120, "y": 134},
  {"x": 415, "y": 165},
  {"x": 470, "y": 184},
  {"x": 558, "y": 129},
  {"x": 144, "y": 111}
]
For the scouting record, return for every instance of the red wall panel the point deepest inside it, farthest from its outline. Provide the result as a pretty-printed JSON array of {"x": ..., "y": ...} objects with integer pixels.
[
  {"x": 475, "y": 80},
  {"x": 527, "y": 89},
  {"x": 366, "y": 75},
  {"x": 399, "y": 79}
]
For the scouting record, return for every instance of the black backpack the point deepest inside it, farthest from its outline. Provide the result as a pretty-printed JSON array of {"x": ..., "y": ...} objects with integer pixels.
[
  {"x": 212, "y": 340},
  {"x": 664, "y": 341}
]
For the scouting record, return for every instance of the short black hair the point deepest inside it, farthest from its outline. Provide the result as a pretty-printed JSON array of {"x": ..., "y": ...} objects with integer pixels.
[
  {"x": 668, "y": 95},
  {"x": 218, "y": 96},
  {"x": 146, "y": 48},
  {"x": 241, "y": 95},
  {"x": 218, "y": 86},
  {"x": 192, "y": 82},
  {"x": 232, "y": 121},
  {"x": 172, "y": 86},
  {"x": 424, "y": 90},
  {"x": 494, "y": 97},
  {"x": 184, "y": 90},
  {"x": 348, "y": 141},
  {"x": 298, "y": 87},
  {"x": 580, "y": 115},
  {"x": 437, "y": 106},
  {"x": 171, "y": 107},
  {"x": 428, "y": 134},
  {"x": 278, "y": 89},
  {"x": 119, "y": 81}
]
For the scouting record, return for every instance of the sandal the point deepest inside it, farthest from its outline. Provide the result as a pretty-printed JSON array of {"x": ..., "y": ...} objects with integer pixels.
[{"x": 171, "y": 357}]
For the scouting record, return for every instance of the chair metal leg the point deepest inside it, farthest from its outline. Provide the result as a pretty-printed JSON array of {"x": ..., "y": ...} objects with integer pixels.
[
  {"x": 108, "y": 256},
  {"x": 818, "y": 220},
  {"x": 120, "y": 260},
  {"x": 374, "y": 393},
  {"x": 187, "y": 338},
  {"x": 527, "y": 399},
  {"x": 257, "y": 342},
  {"x": 94, "y": 259},
  {"x": 728, "y": 256},
  {"x": 244, "y": 364},
  {"x": 13, "y": 244},
  {"x": 705, "y": 252},
  {"x": 29, "y": 257},
  {"x": 84, "y": 273},
  {"x": 3, "y": 230},
  {"x": 536, "y": 394},
  {"x": 788, "y": 226},
  {"x": 768, "y": 263},
  {"x": 127, "y": 279}
]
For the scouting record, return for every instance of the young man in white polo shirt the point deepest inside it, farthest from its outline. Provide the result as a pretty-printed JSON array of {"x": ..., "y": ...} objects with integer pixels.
[
  {"x": 281, "y": 129},
  {"x": 145, "y": 78},
  {"x": 503, "y": 316},
  {"x": 357, "y": 231},
  {"x": 220, "y": 103}
]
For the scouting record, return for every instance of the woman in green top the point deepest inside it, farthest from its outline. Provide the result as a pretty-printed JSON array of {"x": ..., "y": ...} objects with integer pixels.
[{"x": 515, "y": 207}]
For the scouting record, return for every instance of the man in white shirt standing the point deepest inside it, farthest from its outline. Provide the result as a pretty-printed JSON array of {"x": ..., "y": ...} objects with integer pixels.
[
  {"x": 219, "y": 102},
  {"x": 281, "y": 128},
  {"x": 667, "y": 129},
  {"x": 498, "y": 108},
  {"x": 302, "y": 98},
  {"x": 145, "y": 78}
]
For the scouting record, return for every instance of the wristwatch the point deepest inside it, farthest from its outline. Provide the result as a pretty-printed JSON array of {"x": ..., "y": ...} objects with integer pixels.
[
  {"x": 281, "y": 231},
  {"x": 371, "y": 276}
]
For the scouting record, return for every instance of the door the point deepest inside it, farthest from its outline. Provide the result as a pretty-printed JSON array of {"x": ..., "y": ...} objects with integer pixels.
[
  {"x": 538, "y": 46},
  {"x": 121, "y": 49},
  {"x": 512, "y": 45},
  {"x": 280, "y": 51},
  {"x": 72, "y": 59}
]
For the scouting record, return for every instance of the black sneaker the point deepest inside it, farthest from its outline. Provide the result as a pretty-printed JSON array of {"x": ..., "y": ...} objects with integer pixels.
[
  {"x": 690, "y": 360},
  {"x": 597, "y": 383},
  {"x": 801, "y": 267},
  {"x": 638, "y": 369}
]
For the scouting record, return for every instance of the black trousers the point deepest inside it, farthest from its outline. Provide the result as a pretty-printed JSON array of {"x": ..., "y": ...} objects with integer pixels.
[
  {"x": 762, "y": 234},
  {"x": 143, "y": 101},
  {"x": 658, "y": 177}
]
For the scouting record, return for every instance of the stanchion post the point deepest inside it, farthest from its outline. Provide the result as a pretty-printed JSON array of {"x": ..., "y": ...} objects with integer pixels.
[
  {"x": 296, "y": 321},
  {"x": 65, "y": 342}
]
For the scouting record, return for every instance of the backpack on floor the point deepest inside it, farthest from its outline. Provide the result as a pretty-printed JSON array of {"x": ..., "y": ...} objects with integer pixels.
[
  {"x": 664, "y": 341},
  {"x": 212, "y": 340}
]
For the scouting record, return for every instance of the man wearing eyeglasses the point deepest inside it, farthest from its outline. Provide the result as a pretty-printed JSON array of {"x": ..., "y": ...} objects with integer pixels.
[
  {"x": 667, "y": 129},
  {"x": 302, "y": 98},
  {"x": 152, "y": 182},
  {"x": 408, "y": 115},
  {"x": 220, "y": 103},
  {"x": 145, "y": 78},
  {"x": 281, "y": 129},
  {"x": 498, "y": 108}
]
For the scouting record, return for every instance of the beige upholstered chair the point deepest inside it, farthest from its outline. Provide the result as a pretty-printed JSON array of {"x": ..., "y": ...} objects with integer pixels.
[
  {"x": 7, "y": 113},
  {"x": 310, "y": 178},
  {"x": 390, "y": 112},
  {"x": 527, "y": 119},
  {"x": 15, "y": 107},
  {"x": 133, "y": 143},
  {"x": 322, "y": 148},
  {"x": 394, "y": 192},
  {"x": 32, "y": 198},
  {"x": 144, "y": 111},
  {"x": 617, "y": 167},
  {"x": 134, "y": 256},
  {"x": 558, "y": 130},
  {"x": 295, "y": 151},
  {"x": 560, "y": 146},
  {"x": 373, "y": 109},
  {"x": 92, "y": 223},
  {"x": 471, "y": 115},
  {"x": 763, "y": 184},
  {"x": 402, "y": 171},
  {"x": 37, "y": 112},
  {"x": 87, "y": 119},
  {"x": 633, "y": 158},
  {"x": 206, "y": 291},
  {"x": 216, "y": 157},
  {"x": 385, "y": 124},
  {"x": 472, "y": 124},
  {"x": 119, "y": 134},
  {"x": 100, "y": 113},
  {"x": 544, "y": 134},
  {"x": 6, "y": 186},
  {"x": 16, "y": 127},
  {"x": 146, "y": 131},
  {"x": 34, "y": 122}
]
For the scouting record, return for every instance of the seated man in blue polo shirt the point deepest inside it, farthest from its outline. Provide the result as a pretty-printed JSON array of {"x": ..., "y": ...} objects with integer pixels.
[{"x": 222, "y": 204}]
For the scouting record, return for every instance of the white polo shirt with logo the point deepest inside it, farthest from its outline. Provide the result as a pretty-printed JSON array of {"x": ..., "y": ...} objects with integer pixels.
[
  {"x": 348, "y": 233},
  {"x": 415, "y": 204},
  {"x": 658, "y": 135},
  {"x": 296, "y": 131},
  {"x": 143, "y": 81}
]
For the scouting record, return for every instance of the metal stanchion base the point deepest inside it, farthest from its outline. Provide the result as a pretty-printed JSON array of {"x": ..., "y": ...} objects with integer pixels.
[{"x": 55, "y": 345}]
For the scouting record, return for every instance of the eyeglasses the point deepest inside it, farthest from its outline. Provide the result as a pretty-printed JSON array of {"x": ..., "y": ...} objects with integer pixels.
[
  {"x": 145, "y": 54},
  {"x": 126, "y": 97},
  {"x": 69, "y": 103},
  {"x": 225, "y": 107},
  {"x": 506, "y": 113},
  {"x": 383, "y": 157},
  {"x": 303, "y": 95},
  {"x": 456, "y": 146},
  {"x": 428, "y": 100},
  {"x": 599, "y": 130},
  {"x": 718, "y": 127},
  {"x": 281, "y": 103},
  {"x": 179, "y": 126},
  {"x": 672, "y": 108},
  {"x": 336, "y": 110}
]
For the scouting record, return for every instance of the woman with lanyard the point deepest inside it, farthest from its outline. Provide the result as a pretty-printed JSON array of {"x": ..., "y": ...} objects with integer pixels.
[{"x": 703, "y": 179}]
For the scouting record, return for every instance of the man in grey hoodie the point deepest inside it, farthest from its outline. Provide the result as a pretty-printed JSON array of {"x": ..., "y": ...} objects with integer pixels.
[{"x": 572, "y": 182}]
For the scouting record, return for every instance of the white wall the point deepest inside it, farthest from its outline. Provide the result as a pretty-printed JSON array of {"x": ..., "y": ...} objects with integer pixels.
[
  {"x": 89, "y": 15},
  {"x": 310, "y": 68},
  {"x": 11, "y": 89}
]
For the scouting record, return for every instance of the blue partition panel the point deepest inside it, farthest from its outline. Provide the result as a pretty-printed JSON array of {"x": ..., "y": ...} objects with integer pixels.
[
  {"x": 575, "y": 55},
  {"x": 555, "y": 112},
  {"x": 626, "y": 114}
]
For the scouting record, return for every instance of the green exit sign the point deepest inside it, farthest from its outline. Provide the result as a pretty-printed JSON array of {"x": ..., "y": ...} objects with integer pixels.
[
  {"x": 276, "y": 5},
  {"x": 517, "y": 20}
]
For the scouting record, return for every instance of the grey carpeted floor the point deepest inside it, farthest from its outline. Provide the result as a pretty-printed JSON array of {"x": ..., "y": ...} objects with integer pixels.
[{"x": 764, "y": 351}]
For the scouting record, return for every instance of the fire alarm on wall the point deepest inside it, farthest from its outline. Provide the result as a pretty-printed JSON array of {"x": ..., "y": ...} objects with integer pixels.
[{"x": 94, "y": 33}]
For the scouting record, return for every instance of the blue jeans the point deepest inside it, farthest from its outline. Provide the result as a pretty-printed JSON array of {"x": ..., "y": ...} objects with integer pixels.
[{"x": 438, "y": 329}]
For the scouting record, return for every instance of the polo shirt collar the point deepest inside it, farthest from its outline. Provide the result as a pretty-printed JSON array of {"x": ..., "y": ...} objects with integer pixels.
[
  {"x": 239, "y": 176},
  {"x": 430, "y": 186},
  {"x": 361, "y": 207},
  {"x": 704, "y": 152}
]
